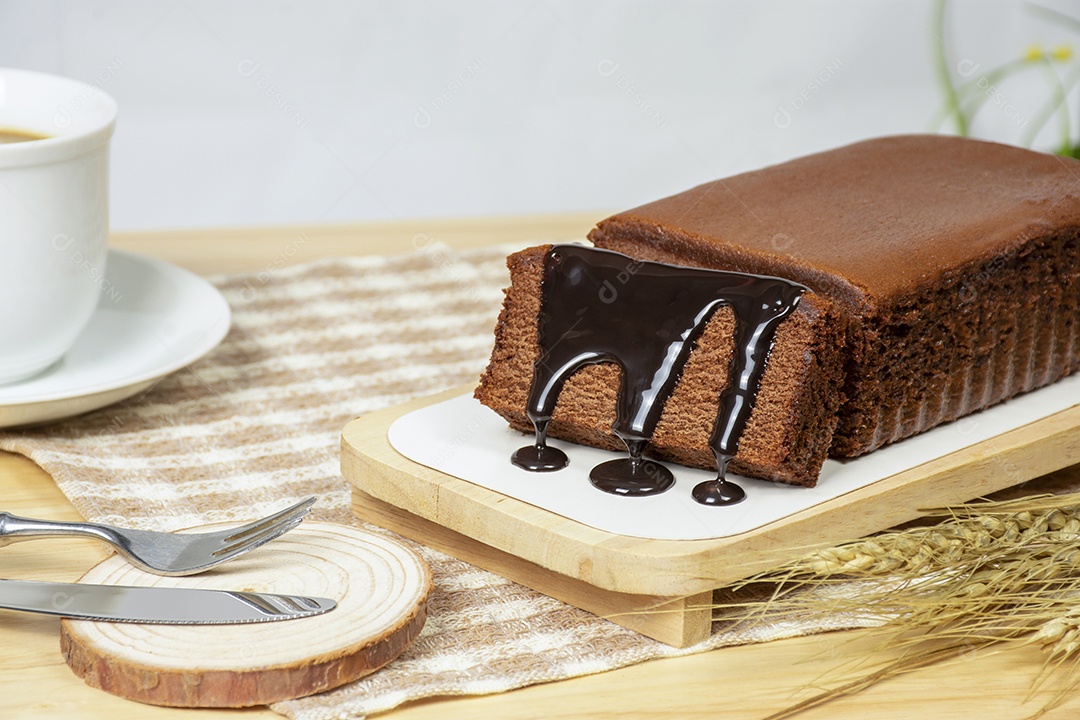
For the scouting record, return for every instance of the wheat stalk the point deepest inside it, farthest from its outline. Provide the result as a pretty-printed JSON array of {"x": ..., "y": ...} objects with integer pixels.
[{"x": 986, "y": 574}]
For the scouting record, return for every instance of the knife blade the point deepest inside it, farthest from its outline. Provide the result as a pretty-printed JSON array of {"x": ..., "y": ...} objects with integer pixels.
[{"x": 162, "y": 605}]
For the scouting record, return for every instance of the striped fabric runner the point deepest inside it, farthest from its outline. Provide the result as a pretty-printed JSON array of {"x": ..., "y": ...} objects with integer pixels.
[{"x": 256, "y": 425}]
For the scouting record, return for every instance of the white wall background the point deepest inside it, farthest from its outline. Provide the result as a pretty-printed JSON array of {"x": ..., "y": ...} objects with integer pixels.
[{"x": 294, "y": 112}]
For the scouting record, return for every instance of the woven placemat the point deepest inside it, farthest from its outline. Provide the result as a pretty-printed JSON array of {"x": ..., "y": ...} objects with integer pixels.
[{"x": 256, "y": 425}]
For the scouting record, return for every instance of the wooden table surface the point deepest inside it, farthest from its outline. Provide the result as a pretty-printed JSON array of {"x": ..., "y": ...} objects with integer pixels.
[{"x": 741, "y": 683}]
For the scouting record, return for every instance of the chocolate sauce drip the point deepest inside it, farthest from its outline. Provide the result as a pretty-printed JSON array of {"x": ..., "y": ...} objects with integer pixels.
[
  {"x": 602, "y": 306},
  {"x": 720, "y": 491},
  {"x": 538, "y": 457},
  {"x": 756, "y": 321}
]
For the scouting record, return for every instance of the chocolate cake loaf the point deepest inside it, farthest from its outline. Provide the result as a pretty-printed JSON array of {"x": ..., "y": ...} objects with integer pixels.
[
  {"x": 954, "y": 264},
  {"x": 944, "y": 276},
  {"x": 786, "y": 436}
]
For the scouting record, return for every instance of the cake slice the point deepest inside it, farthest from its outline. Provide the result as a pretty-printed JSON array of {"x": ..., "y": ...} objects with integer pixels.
[
  {"x": 953, "y": 263},
  {"x": 789, "y": 430}
]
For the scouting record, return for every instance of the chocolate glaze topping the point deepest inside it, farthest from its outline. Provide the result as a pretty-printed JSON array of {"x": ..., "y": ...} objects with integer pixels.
[{"x": 601, "y": 306}]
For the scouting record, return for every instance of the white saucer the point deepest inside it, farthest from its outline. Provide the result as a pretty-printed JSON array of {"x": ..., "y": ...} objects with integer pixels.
[{"x": 152, "y": 318}]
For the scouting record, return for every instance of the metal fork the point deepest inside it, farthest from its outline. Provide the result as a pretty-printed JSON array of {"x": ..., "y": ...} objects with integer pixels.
[{"x": 160, "y": 552}]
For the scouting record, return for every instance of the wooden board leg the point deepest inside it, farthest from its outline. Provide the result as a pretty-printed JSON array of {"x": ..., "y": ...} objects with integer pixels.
[{"x": 679, "y": 622}]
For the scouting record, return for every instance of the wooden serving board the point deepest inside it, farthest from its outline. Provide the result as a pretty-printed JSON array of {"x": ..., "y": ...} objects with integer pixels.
[
  {"x": 380, "y": 585},
  {"x": 662, "y": 588}
]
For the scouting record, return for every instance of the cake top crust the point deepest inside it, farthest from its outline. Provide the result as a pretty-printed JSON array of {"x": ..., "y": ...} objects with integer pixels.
[{"x": 870, "y": 221}]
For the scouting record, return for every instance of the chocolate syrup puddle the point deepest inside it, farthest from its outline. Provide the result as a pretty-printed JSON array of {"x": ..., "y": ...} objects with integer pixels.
[
  {"x": 720, "y": 491},
  {"x": 634, "y": 475},
  {"x": 538, "y": 457},
  {"x": 602, "y": 306}
]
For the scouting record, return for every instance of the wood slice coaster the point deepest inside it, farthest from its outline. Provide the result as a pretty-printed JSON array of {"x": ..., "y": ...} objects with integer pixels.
[{"x": 380, "y": 585}]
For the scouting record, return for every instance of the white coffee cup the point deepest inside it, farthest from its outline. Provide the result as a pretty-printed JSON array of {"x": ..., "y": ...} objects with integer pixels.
[{"x": 54, "y": 216}]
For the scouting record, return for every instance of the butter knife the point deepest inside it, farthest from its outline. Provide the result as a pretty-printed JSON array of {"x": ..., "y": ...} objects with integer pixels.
[{"x": 179, "y": 606}]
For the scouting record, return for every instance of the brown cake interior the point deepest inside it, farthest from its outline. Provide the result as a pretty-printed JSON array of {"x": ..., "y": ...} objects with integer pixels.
[
  {"x": 955, "y": 264},
  {"x": 788, "y": 434}
]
